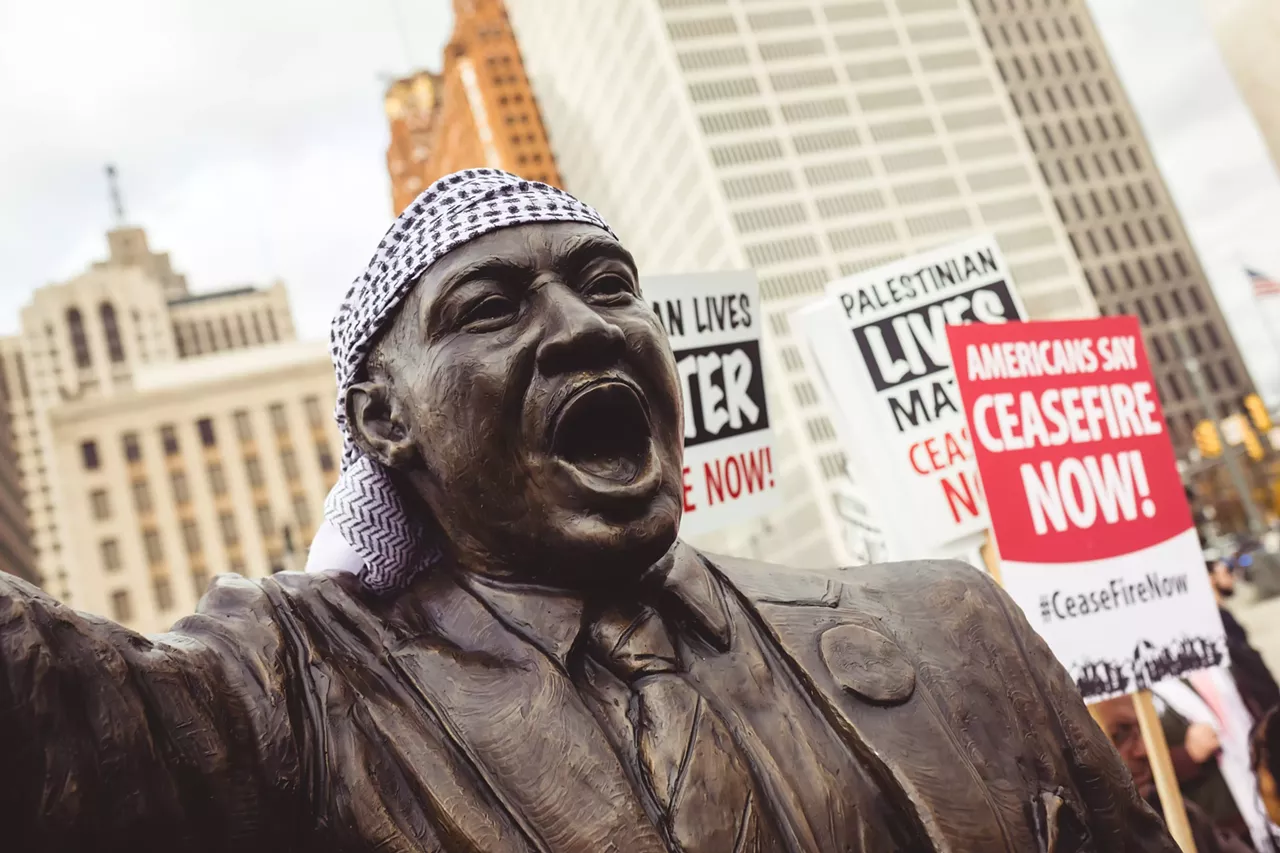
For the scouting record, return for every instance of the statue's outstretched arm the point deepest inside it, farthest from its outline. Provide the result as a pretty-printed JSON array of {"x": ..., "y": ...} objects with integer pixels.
[{"x": 110, "y": 740}]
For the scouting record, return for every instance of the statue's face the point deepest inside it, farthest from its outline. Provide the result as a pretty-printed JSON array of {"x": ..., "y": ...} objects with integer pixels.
[{"x": 530, "y": 396}]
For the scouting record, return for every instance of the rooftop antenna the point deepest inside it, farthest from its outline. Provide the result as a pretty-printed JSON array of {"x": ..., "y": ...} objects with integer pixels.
[{"x": 113, "y": 186}]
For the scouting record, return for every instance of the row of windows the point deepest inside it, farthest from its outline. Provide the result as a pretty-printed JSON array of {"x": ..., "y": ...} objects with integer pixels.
[
  {"x": 80, "y": 342},
  {"x": 205, "y": 430},
  {"x": 1038, "y": 24},
  {"x": 1033, "y": 60},
  {"x": 1144, "y": 272},
  {"x": 1052, "y": 132},
  {"x": 1109, "y": 243},
  {"x": 196, "y": 337},
  {"x": 1123, "y": 198},
  {"x": 1060, "y": 171}
]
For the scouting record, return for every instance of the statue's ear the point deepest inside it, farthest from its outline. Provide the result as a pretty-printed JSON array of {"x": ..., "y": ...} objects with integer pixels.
[{"x": 376, "y": 419}]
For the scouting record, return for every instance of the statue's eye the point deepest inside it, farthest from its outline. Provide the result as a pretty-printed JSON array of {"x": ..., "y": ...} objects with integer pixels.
[
  {"x": 608, "y": 288},
  {"x": 490, "y": 312}
]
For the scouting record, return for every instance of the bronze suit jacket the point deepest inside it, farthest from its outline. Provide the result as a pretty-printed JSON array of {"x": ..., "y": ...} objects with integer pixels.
[{"x": 298, "y": 713}]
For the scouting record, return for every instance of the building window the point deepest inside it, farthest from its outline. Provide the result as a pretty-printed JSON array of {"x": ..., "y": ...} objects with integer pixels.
[
  {"x": 164, "y": 593},
  {"x": 217, "y": 479},
  {"x": 115, "y": 350},
  {"x": 205, "y": 427},
  {"x": 79, "y": 343},
  {"x": 279, "y": 421},
  {"x": 89, "y": 455},
  {"x": 302, "y": 510},
  {"x": 325, "y": 458},
  {"x": 101, "y": 506},
  {"x": 227, "y": 524},
  {"x": 121, "y": 610},
  {"x": 141, "y": 496},
  {"x": 265, "y": 523},
  {"x": 151, "y": 544},
  {"x": 110, "y": 550},
  {"x": 253, "y": 468},
  {"x": 181, "y": 489},
  {"x": 238, "y": 567},
  {"x": 191, "y": 537},
  {"x": 169, "y": 440},
  {"x": 289, "y": 461},
  {"x": 132, "y": 450},
  {"x": 244, "y": 429},
  {"x": 1229, "y": 372},
  {"x": 200, "y": 580},
  {"x": 315, "y": 415}
]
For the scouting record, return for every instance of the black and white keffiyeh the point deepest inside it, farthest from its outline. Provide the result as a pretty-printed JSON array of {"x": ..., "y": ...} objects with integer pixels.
[{"x": 367, "y": 528}]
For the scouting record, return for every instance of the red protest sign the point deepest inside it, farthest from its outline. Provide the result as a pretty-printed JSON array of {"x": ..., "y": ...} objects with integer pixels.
[{"x": 1085, "y": 499}]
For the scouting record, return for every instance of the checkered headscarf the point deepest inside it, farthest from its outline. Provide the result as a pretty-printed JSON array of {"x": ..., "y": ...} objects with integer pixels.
[{"x": 367, "y": 527}]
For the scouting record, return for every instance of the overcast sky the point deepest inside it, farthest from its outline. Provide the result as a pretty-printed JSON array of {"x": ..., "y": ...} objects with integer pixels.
[{"x": 250, "y": 139}]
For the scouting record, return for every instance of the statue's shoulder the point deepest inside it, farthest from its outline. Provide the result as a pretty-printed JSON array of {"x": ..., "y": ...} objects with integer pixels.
[
  {"x": 284, "y": 597},
  {"x": 949, "y": 581}
]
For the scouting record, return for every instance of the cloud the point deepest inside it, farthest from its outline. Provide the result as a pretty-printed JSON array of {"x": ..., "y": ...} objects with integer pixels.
[{"x": 249, "y": 136}]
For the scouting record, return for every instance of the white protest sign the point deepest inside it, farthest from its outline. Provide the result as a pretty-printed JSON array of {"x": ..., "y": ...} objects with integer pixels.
[
  {"x": 878, "y": 343},
  {"x": 713, "y": 321}
]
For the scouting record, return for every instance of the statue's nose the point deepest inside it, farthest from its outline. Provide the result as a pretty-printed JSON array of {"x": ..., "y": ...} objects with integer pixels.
[{"x": 577, "y": 337}]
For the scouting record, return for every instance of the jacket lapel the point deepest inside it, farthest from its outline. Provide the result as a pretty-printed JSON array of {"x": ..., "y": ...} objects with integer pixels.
[{"x": 519, "y": 720}]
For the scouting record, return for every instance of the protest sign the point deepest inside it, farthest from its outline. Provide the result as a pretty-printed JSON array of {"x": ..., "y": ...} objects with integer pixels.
[
  {"x": 1096, "y": 540},
  {"x": 878, "y": 344},
  {"x": 713, "y": 321}
]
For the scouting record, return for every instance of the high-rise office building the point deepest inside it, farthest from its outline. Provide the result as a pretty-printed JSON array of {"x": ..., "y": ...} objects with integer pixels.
[
  {"x": 164, "y": 436},
  {"x": 16, "y": 554},
  {"x": 478, "y": 112},
  {"x": 1248, "y": 32},
  {"x": 1113, "y": 201},
  {"x": 806, "y": 140}
]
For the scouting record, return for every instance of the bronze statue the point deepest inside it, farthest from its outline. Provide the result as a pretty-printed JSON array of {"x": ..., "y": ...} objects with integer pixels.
[{"x": 566, "y": 677}]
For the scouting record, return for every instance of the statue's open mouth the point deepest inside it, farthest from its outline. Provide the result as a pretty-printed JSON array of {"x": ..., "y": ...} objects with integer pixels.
[{"x": 603, "y": 430}]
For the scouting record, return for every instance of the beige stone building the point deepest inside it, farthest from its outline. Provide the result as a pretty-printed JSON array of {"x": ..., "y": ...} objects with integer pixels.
[
  {"x": 209, "y": 465},
  {"x": 163, "y": 436},
  {"x": 1112, "y": 199}
]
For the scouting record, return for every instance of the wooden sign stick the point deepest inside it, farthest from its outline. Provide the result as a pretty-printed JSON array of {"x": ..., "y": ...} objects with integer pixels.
[{"x": 1175, "y": 812}]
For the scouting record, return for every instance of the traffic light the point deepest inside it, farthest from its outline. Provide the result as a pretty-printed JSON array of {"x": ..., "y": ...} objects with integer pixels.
[
  {"x": 1258, "y": 413},
  {"x": 1253, "y": 446},
  {"x": 1207, "y": 439}
]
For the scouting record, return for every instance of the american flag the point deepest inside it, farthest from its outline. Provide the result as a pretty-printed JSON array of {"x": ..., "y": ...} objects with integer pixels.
[{"x": 1263, "y": 285}]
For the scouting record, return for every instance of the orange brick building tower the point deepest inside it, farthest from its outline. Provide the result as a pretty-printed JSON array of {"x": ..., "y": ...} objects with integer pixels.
[{"x": 479, "y": 111}]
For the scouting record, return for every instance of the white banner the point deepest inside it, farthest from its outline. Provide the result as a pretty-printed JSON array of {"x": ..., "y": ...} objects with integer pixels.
[
  {"x": 713, "y": 321},
  {"x": 878, "y": 343}
]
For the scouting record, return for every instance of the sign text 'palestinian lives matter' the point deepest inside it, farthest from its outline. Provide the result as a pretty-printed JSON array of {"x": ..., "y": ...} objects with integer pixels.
[
  {"x": 882, "y": 353},
  {"x": 713, "y": 321},
  {"x": 1096, "y": 539}
]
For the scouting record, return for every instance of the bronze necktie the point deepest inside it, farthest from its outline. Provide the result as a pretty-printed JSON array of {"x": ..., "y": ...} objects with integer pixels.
[{"x": 687, "y": 757}]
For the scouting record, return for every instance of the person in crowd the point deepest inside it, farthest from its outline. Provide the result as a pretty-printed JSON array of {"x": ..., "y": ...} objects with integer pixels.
[
  {"x": 1254, "y": 682},
  {"x": 1266, "y": 762},
  {"x": 1119, "y": 721}
]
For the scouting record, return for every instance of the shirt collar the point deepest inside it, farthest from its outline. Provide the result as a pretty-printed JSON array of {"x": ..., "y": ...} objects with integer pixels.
[{"x": 551, "y": 618}]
